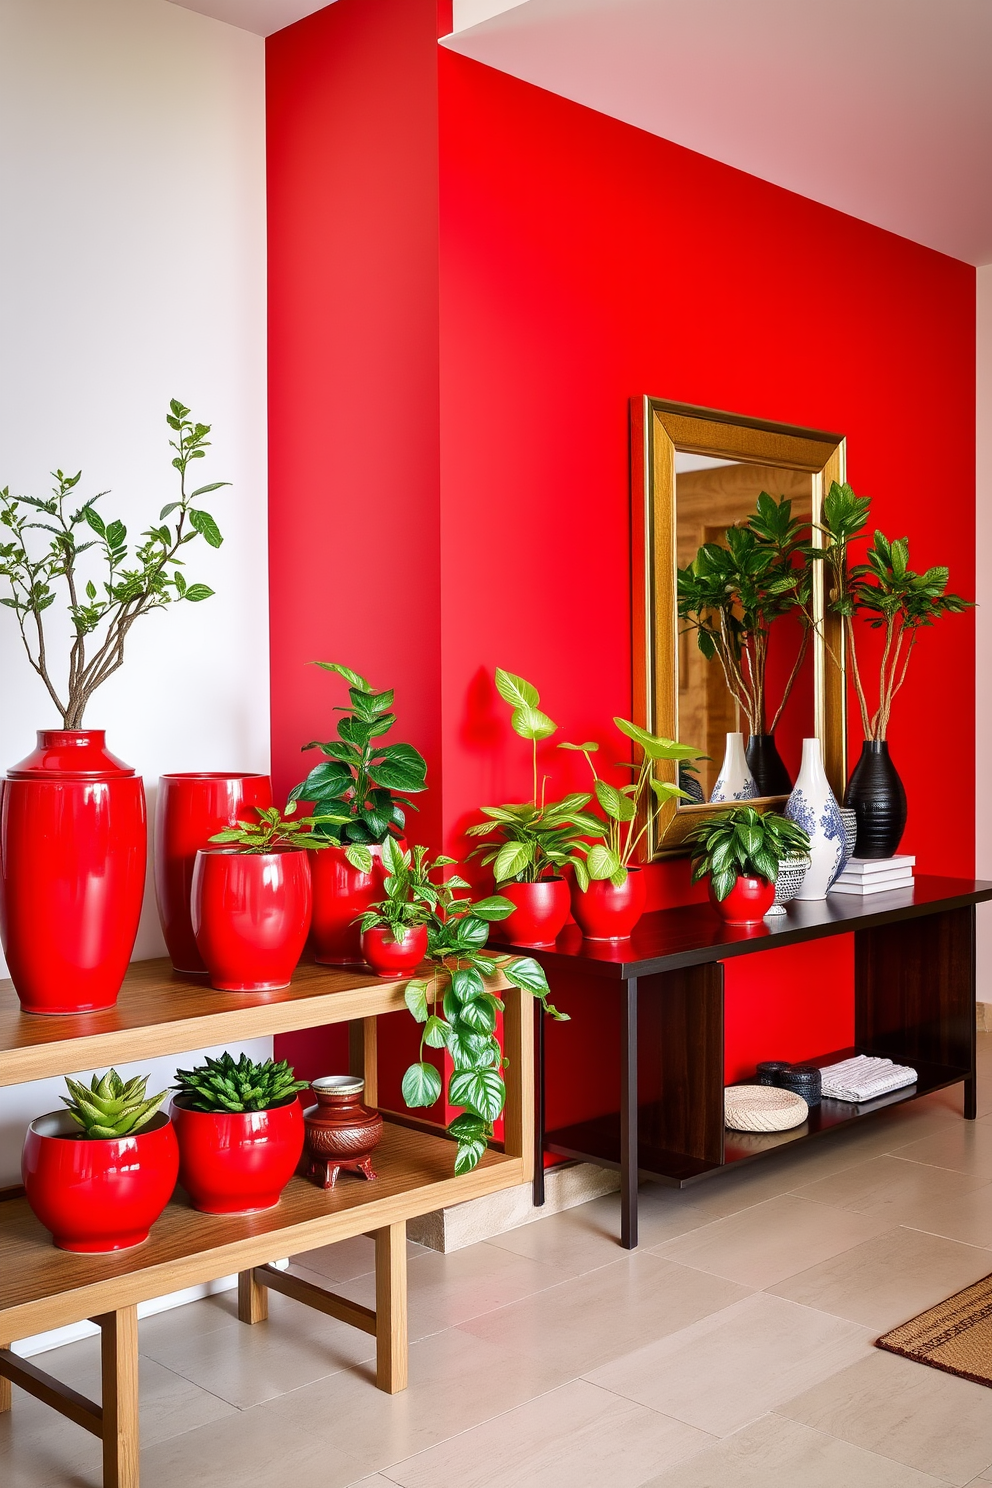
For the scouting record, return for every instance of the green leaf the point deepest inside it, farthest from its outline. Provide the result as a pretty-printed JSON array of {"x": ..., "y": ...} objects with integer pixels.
[
  {"x": 515, "y": 691},
  {"x": 618, "y": 807},
  {"x": 203, "y": 523},
  {"x": 415, "y": 997},
  {"x": 436, "y": 1032},
  {"x": 467, "y": 984},
  {"x": 95, "y": 521},
  {"x": 354, "y": 678},
  {"x": 472, "y": 932},
  {"x": 493, "y": 908},
  {"x": 526, "y": 973},
  {"x": 359, "y": 856},
  {"x": 601, "y": 861},
  {"x": 512, "y": 858},
  {"x": 421, "y": 1085},
  {"x": 401, "y": 768},
  {"x": 654, "y": 747},
  {"x": 482, "y": 1091},
  {"x": 197, "y": 592},
  {"x": 479, "y": 1015},
  {"x": 470, "y": 1152},
  {"x": 531, "y": 723},
  {"x": 205, "y": 490}
]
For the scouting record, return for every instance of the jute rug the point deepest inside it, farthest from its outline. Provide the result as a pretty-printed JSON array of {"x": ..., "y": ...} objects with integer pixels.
[{"x": 955, "y": 1336}]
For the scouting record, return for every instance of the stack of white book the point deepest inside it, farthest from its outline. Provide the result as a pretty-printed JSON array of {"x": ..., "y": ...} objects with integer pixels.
[{"x": 875, "y": 875}]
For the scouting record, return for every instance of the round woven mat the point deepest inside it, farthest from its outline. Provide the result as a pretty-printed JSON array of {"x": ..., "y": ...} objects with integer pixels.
[{"x": 762, "y": 1108}]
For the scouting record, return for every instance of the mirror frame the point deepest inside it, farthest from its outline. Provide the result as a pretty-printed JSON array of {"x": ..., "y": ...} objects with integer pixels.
[{"x": 658, "y": 428}]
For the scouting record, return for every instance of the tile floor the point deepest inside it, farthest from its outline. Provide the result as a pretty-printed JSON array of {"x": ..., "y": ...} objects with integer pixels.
[{"x": 733, "y": 1349}]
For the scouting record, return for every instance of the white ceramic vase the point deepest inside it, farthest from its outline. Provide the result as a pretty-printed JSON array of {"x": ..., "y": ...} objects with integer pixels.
[
  {"x": 735, "y": 781},
  {"x": 813, "y": 806}
]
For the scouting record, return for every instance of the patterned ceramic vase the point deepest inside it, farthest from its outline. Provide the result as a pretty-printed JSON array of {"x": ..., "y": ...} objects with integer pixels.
[
  {"x": 735, "y": 781},
  {"x": 850, "y": 819},
  {"x": 813, "y": 806},
  {"x": 791, "y": 872}
]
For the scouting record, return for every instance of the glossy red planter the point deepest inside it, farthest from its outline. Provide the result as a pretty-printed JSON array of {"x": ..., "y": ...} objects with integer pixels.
[
  {"x": 237, "y": 1163},
  {"x": 395, "y": 958},
  {"x": 541, "y": 911},
  {"x": 72, "y": 850},
  {"x": 747, "y": 903},
  {"x": 190, "y": 809},
  {"x": 97, "y": 1196},
  {"x": 605, "y": 912},
  {"x": 340, "y": 894},
  {"x": 251, "y": 915}
]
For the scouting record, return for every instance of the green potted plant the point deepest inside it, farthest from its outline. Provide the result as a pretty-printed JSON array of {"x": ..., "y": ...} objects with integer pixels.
[
  {"x": 536, "y": 839},
  {"x": 394, "y": 928},
  {"x": 240, "y": 1129},
  {"x": 72, "y": 865},
  {"x": 458, "y": 1010},
  {"x": 610, "y": 890},
  {"x": 732, "y": 594},
  {"x": 99, "y": 1174},
  {"x": 740, "y": 851},
  {"x": 361, "y": 791}
]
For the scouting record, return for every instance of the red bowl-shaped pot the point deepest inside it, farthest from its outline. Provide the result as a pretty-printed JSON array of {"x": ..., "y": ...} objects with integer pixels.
[
  {"x": 340, "y": 894},
  {"x": 251, "y": 915},
  {"x": 393, "y": 958},
  {"x": 541, "y": 910},
  {"x": 237, "y": 1163},
  {"x": 605, "y": 912},
  {"x": 97, "y": 1195},
  {"x": 747, "y": 903}
]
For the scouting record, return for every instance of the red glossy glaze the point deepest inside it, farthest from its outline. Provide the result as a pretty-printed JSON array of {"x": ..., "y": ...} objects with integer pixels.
[
  {"x": 237, "y": 1163},
  {"x": 190, "y": 809},
  {"x": 340, "y": 894},
  {"x": 605, "y": 912},
  {"x": 72, "y": 846},
  {"x": 747, "y": 903},
  {"x": 98, "y": 1195},
  {"x": 541, "y": 912},
  {"x": 251, "y": 915},
  {"x": 391, "y": 958}
]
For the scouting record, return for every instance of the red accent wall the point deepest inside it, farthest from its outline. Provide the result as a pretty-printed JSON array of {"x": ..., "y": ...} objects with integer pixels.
[{"x": 469, "y": 279}]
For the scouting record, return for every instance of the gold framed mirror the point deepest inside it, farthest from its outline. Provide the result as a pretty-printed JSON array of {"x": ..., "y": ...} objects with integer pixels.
[{"x": 696, "y": 476}]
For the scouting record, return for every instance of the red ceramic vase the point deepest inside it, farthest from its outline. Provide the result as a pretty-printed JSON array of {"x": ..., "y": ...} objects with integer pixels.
[
  {"x": 97, "y": 1195},
  {"x": 190, "y": 809},
  {"x": 251, "y": 915},
  {"x": 340, "y": 894},
  {"x": 237, "y": 1162},
  {"x": 747, "y": 903},
  {"x": 395, "y": 958},
  {"x": 605, "y": 912},
  {"x": 72, "y": 849},
  {"x": 540, "y": 912}
]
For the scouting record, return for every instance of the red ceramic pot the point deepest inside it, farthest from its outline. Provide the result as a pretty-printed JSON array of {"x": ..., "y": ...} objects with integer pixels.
[
  {"x": 190, "y": 809},
  {"x": 395, "y": 958},
  {"x": 340, "y": 894},
  {"x": 747, "y": 903},
  {"x": 251, "y": 915},
  {"x": 237, "y": 1162},
  {"x": 97, "y": 1195},
  {"x": 72, "y": 848},
  {"x": 541, "y": 910},
  {"x": 605, "y": 912}
]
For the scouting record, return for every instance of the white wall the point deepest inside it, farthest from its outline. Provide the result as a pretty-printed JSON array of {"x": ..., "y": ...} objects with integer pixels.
[{"x": 983, "y": 594}]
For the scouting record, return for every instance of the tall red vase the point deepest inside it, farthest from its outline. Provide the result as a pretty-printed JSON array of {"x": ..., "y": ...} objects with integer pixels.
[
  {"x": 72, "y": 872},
  {"x": 190, "y": 809},
  {"x": 340, "y": 894}
]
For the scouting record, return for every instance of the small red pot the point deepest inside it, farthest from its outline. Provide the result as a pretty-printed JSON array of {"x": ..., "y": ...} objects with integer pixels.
[
  {"x": 605, "y": 912},
  {"x": 541, "y": 910},
  {"x": 97, "y": 1195},
  {"x": 394, "y": 958},
  {"x": 747, "y": 903},
  {"x": 190, "y": 809},
  {"x": 341, "y": 894},
  {"x": 237, "y": 1162},
  {"x": 251, "y": 916}
]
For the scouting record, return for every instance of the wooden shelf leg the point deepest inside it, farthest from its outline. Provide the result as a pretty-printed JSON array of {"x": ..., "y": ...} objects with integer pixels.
[
  {"x": 6, "y": 1388},
  {"x": 119, "y": 1360},
  {"x": 390, "y": 1308},
  {"x": 253, "y": 1298},
  {"x": 628, "y": 1117}
]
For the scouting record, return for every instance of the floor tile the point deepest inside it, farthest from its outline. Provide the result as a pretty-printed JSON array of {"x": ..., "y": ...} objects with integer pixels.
[
  {"x": 964, "y": 1146},
  {"x": 775, "y": 1453},
  {"x": 888, "y": 1280},
  {"x": 892, "y": 1188},
  {"x": 735, "y": 1365},
  {"x": 588, "y": 1236},
  {"x": 916, "y": 1415},
  {"x": 768, "y": 1242},
  {"x": 967, "y": 1218},
  {"x": 347, "y": 1259},
  {"x": 576, "y": 1437}
]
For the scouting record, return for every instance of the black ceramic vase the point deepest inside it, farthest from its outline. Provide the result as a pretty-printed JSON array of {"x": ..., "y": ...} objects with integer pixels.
[
  {"x": 770, "y": 775},
  {"x": 876, "y": 795}
]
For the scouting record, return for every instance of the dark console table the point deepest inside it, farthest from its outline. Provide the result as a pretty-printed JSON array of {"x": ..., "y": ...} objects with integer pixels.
[{"x": 914, "y": 993}]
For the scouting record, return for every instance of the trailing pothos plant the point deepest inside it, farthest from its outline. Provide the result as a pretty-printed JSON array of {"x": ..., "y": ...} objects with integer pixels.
[
  {"x": 104, "y": 604},
  {"x": 457, "y": 1008},
  {"x": 743, "y": 843},
  {"x": 539, "y": 838},
  {"x": 273, "y": 832},
  {"x": 629, "y": 809},
  {"x": 359, "y": 791}
]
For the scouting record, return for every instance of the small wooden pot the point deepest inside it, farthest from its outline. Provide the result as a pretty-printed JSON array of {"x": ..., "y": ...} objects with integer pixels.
[{"x": 341, "y": 1133}]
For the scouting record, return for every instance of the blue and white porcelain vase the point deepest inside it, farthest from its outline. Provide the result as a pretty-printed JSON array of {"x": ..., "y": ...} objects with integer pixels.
[
  {"x": 813, "y": 806},
  {"x": 735, "y": 781}
]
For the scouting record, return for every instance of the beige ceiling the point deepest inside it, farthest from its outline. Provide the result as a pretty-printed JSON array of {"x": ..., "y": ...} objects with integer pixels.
[{"x": 261, "y": 16}]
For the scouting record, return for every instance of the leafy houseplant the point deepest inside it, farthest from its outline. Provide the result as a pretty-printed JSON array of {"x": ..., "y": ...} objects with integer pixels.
[
  {"x": 458, "y": 1013},
  {"x": 226, "y": 1084},
  {"x": 740, "y": 851},
  {"x": 111, "y": 1107},
  {"x": 394, "y": 929},
  {"x": 274, "y": 830}
]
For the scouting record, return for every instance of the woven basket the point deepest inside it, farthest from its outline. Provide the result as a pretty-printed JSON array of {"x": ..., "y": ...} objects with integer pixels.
[{"x": 762, "y": 1108}]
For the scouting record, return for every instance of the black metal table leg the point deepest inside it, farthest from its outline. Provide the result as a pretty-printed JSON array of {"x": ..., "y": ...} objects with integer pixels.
[
  {"x": 539, "y": 1107},
  {"x": 628, "y": 1118}
]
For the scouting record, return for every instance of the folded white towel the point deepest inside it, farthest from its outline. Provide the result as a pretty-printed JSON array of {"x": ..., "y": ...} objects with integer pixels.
[{"x": 865, "y": 1077}]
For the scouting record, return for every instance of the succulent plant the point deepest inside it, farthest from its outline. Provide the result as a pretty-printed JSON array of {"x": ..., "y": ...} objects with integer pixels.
[
  {"x": 111, "y": 1107},
  {"x": 226, "y": 1084}
]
